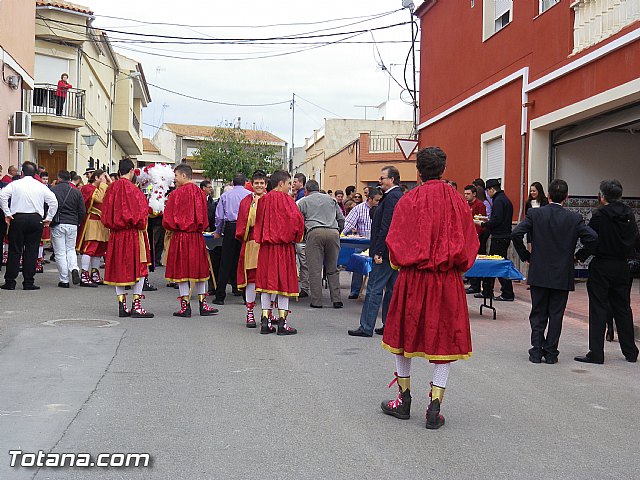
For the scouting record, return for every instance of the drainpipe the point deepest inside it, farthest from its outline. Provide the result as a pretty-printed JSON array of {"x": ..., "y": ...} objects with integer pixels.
[{"x": 522, "y": 184}]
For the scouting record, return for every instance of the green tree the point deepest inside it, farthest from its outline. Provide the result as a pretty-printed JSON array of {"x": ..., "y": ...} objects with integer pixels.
[{"x": 228, "y": 151}]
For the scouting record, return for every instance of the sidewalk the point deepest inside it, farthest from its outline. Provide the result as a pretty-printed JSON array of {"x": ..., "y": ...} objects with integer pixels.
[{"x": 578, "y": 304}]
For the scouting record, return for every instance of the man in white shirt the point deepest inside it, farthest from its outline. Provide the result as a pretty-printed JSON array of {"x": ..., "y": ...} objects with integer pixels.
[{"x": 25, "y": 219}]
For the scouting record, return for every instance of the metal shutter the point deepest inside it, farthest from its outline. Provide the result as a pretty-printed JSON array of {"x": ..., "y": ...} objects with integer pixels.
[
  {"x": 495, "y": 158},
  {"x": 502, "y": 7}
]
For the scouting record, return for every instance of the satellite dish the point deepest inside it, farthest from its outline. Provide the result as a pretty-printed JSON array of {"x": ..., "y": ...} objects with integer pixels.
[{"x": 408, "y": 4}]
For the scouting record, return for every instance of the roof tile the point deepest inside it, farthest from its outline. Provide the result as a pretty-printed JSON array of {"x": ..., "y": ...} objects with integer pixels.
[
  {"x": 65, "y": 5},
  {"x": 207, "y": 131}
]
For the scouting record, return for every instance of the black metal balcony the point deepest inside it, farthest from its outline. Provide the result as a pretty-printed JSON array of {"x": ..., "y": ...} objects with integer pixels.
[{"x": 45, "y": 100}]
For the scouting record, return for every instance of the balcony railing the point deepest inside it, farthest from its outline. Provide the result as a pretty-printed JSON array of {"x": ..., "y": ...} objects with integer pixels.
[
  {"x": 596, "y": 20},
  {"x": 42, "y": 100},
  {"x": 385, "y": 143}
]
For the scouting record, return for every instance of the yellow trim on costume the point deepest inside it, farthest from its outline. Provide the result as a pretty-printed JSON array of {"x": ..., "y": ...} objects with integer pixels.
[
  {"x": 284, "y": 294},
  {"x": 395, "y": 267},
  {"x": 401, "y": 351},
  {"x": 180, "y": 280},
  {"x": 124, "y": 284}
]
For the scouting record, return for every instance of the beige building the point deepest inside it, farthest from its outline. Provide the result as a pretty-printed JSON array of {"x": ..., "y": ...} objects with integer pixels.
[
  {"x": 338, "y": 134},
  {"x": 17, "y": 63},
  {"x": 100, "y": 120},
  {"x": 359, "y": 163}
]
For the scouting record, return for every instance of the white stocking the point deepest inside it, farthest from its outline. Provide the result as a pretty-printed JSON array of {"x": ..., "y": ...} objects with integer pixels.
[
  {"x": 265, "y": 301},
  {"x": 441, "y": 374},
  {"x": 85, "y": 263},
  {"x": 183, "y": 288},
  {"x": 283, "y": 302},
  {"x": 403, "y": 366},
  {"x": 41, "y": 251},
  {"x": 95, "y": 262},
  {"x": 200, "y": 288},
  {"x": 250, "y": 293},
  {"x": 120, "y": 291},
  {"x": 137, "y": 288}
]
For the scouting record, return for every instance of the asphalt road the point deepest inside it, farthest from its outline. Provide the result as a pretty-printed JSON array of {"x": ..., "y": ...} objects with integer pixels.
[{"x": 210, "y": 399}]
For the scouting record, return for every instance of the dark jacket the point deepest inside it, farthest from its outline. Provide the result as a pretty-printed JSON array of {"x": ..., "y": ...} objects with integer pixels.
[
  {"x": 617, "y": 232},
  {"x": 211, "y": 213},
  {"x": 553, "y": 232},
  {"x": 382, "y": 221},
  {"x": 70, "y": 211},
  {"x": 499, "y": 224}
]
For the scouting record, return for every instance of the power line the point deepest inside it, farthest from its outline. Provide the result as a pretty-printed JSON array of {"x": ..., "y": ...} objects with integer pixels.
[
  {"x": 196, "y": 40},
  {"x": 218, "y": 102},
  {"x": 247, "y": 26},
  {"x": 318, "y": 106}
]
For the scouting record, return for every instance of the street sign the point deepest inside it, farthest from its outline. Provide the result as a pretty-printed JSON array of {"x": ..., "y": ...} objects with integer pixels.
[{"x": 407, "y": 146}]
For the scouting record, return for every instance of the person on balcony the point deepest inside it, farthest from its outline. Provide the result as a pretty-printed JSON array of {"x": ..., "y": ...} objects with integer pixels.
[{"x": 61, "y": 93}]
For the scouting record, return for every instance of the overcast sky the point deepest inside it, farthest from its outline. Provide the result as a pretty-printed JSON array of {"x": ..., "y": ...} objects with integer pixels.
[{"x": 334, "y": 77}]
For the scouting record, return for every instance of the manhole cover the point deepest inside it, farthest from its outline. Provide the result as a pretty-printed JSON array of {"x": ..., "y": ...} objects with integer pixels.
[{"x": 80, "y": 322}]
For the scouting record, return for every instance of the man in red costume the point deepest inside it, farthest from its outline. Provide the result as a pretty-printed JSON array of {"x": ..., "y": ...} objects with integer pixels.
[
  {"x": 433, "y": 240},
  {"x": 93, "y": 238},
  {"x": 185, "y": 218},
  {"x": 279, "y": 224},
  {"x": 125, "y": 212},
  {"x": 248, "y": 261}
]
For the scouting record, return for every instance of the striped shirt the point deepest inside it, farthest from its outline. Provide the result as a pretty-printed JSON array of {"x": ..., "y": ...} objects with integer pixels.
[{"x": 358, "y": 220}]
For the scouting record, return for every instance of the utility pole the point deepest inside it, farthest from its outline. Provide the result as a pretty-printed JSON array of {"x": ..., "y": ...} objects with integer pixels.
[{"x": 293, "y": 123}]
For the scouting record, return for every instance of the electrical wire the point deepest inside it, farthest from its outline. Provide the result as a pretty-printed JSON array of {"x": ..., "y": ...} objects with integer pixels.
[
  {"x": 245, "y": 26},
  {"x": 218, "y": 102},
  {"x": 196, "y": 40},
  {"x": 318, "y": 106}
]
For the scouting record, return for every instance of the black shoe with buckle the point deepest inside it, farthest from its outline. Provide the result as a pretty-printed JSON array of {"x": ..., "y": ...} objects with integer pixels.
[{"x": 470, "y": 290}]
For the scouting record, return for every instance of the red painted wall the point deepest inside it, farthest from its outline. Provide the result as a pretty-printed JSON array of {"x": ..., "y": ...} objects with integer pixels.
[{"x": 459, "y": 136}]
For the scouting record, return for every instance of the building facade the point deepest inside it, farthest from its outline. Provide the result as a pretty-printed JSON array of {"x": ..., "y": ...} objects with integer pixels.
[
  {"x": 539, "y": 89},
  {"x": 100, "y": 119},
  {"x": 17, "y": 63},
  {"x": 359, "y": 163},
  {"x": 181, "y": 142},
  {"x": 338, "y": 134}
]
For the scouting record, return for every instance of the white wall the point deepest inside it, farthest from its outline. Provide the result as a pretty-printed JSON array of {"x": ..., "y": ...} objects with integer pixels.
[{"x": 584, "y": 163}]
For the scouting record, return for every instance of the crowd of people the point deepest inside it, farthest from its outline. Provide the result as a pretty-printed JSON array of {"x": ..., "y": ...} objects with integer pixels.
[{"x": 274, "y": 238}]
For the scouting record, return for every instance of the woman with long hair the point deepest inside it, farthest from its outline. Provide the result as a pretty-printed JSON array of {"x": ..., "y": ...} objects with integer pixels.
[{"x": 537, "y": 197}]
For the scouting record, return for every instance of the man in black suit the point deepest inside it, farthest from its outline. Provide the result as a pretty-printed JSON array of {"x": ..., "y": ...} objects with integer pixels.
[
  {"x": 382, "y": 278},
  {"x": 499, "y": 226},
  {"x": 553, "y": 232},
  {"x": 608, "y": 283}
]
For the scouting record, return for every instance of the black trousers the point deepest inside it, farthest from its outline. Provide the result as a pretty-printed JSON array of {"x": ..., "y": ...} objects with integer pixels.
[
  {"x": 3, "y": 232},
  {"x": 499, "y": 246},
  {"x": 25, "y": 233},
  {"x": 228, "y": 261},
  {"x": 59, "y": 105},
  {"x": 610, "y": 316},
  {"x": 608, "y": 287},
  {"x": 474, "y": 282},
  {"x": 214, "y": 256},
  {"x": 547, "y": 309}
]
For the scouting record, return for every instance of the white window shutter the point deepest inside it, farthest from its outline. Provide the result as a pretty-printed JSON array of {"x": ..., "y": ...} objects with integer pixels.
[
  {"x": 502, "y": 7},
  {"x": 495, "y": 158}
]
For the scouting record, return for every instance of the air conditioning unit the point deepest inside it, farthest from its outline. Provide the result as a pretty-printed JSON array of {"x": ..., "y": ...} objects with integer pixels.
[{"x": 21, "y": 124}]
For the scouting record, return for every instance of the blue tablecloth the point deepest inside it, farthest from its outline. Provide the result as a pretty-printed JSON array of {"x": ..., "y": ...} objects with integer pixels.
[
  {"x": 360, "y": 264},
  {"x": 494, "y": 268},
  {"x": 349, "y": 246}
]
